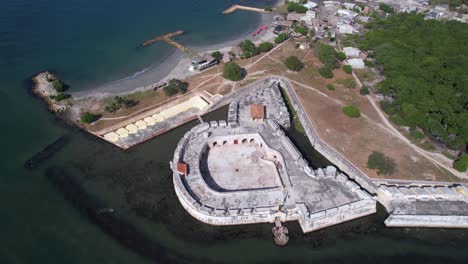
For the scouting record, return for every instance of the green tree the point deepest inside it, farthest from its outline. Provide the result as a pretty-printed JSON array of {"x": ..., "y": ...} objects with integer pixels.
[
  {"x": 364, "y": 90},
  {"x": 268, "y": 8},
  {"x": 461, "y": 164},
  {"x": 296, "y": 7},
  {"x": 383, "y": 164},
  {"x": 341, "y": 56},
  {"x": 330, "y": 87},
  {"x": 347, "y": 69},
  {"x": 351, "y": 111},
  {"x": 233, "y": 72},
  {"x": 326, "y": 72},
  {"x": 248, "y": 48},
  {"x": 175, "y": 86},
  {"x": 300, "y": 29},
  {"x": 88, "y": 117},
  {"x": 217, "y": 55},
  {"x": 281, "y": 38},
  {"x": 265, "y": 46},
  {"x": 348, "y": 83},
  {"x": 293, "y": 63},
  {"x": 386, "y": 8}
]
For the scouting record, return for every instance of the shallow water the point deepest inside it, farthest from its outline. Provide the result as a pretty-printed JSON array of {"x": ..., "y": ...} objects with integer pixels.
[{"x": 53, "y": 213}]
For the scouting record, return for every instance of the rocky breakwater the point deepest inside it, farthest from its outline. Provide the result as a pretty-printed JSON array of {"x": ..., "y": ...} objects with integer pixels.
[{"x": 52, "y": 90}]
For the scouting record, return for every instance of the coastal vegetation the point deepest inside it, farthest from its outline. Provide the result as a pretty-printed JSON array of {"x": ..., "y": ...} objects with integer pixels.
[
  {"x": 383, "y": 164},
  {"x": 296, "y": 7},
  {"x": 232, "y": 71},
  {"x": 248, "y": 49},
  {"x": 265, "y": 46},
  {"x": 119, "y": 102},
  {"x": 351, "y": 111},
  {"x": 58, "y": 85},
  {"x": 293, "y": 63},
  {"x": 175, "y": 86},
  {"x": 281, "y": 38},
  {"x": 88, "y": 117},
  {"x": 217, "y": 55},
  {"x": 461, "y": 164},
  {"x": 61, "y": 96},
  {"x": 425, "y": 74},
  {"x": 268, "y": 8}
]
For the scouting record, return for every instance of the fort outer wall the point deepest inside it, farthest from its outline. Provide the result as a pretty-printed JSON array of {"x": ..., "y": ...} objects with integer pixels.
[{"x": 298, "y": 212}]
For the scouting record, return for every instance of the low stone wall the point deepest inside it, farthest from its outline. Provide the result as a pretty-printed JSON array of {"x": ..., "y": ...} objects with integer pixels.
[{"x": 440, "y": 221}]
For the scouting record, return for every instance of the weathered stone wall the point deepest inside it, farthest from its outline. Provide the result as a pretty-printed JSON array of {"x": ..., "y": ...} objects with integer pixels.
[
  {"x": 236, "y": 216},
  {"x": 328, "y": 152}
]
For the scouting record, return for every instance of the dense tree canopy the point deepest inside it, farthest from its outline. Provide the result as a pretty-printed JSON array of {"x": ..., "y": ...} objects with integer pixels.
[
  {"x": 425, "y": 64},
  {"x": 296, "y": 7},
  {"x": 175, "y": 86},
  {"x": 248, "y": 49},
  {"x": 233, "y": 72},
  {"x": 281, "y": 38},
  {"x": 293, "y": 63},
  {"x": 265, "y": 46}
]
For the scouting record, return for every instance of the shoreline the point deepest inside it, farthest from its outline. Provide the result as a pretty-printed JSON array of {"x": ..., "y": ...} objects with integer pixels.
[{"x": 170, "y": 67}]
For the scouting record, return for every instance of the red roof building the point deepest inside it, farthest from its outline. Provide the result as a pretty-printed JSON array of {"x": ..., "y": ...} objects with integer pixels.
[
  {"x": 182, "y": 168},
  {"x": 257, "y": 111}
]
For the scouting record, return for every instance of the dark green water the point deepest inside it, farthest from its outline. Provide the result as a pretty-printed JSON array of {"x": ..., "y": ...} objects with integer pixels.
[{"x": 51, "y": 213}]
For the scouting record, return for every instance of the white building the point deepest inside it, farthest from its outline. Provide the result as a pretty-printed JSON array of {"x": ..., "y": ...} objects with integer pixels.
[
  {"x": 356, "y": 63},
  {"x": 349, "y": 6},
  {"x": 310, "y": 5},
  {"x": 310, "y": 14},
  {"x": 345, "y": 29},
  {"x": 351, "y": 52},
  {"x": 346, "y": 12}
]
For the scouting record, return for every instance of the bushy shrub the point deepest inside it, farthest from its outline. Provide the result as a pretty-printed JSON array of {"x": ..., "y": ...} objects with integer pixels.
[
  {"x": 58, "y": 86},
  {"x": 461, "y": 164},
  {"x": 296, "y": 7},
  {"x": 265, "y": 46},
  {"x": 383, "y": 164},
  {"x": 281, "y": 38},
  {"x": 341, "y": 56},
  {"x": 61, "y": 96},
  {"x": 326, "y": 72},
  {"x": 347, "y": 69},
  {"x": 174, "y": 87},
  {"x": 88, "y": 117},
  {"x": 389, "y": 107},
  {"x": 118, "y": 102},
  {"x": 248, "y": 49},
  {"x": 217, "y": 55},
  {"x": 232, "y": 71},
  {"x": 293, "y": 63},
  {"x": 330, "y": 87},
  {"x": 364, "y": 90},
  {"x": 416, "y": 134},
  {"x": 348, "y": 83},
  {"x": 301, "y": 29},
  {"x": 351, "y": 111}
]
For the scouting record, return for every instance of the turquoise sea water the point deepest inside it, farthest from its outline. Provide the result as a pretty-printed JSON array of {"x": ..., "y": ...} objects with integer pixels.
[{"x": 51, "y": 213}]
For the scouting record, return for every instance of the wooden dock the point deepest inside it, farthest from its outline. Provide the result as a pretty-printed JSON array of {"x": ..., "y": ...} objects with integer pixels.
[
  {"x": 241, "y": 7},
  {"x": 164, "y": 37}
]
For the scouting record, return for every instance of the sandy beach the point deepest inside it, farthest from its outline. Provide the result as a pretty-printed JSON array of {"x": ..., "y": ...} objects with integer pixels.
[{"x": 176, "y": 65}]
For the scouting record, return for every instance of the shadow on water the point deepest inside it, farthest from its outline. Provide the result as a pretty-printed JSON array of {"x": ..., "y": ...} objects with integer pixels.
[{"x": 94, "y": 176}]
